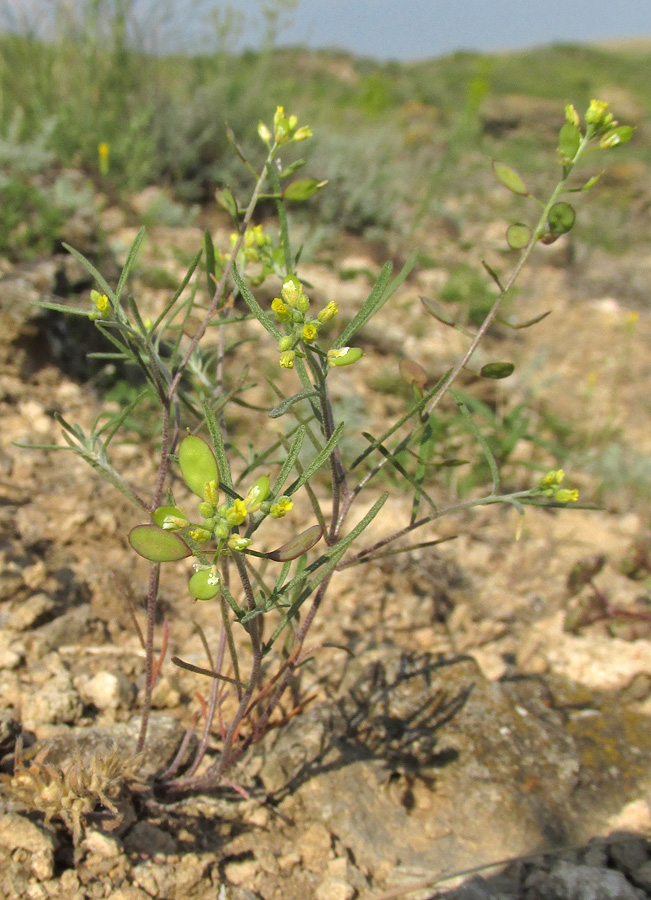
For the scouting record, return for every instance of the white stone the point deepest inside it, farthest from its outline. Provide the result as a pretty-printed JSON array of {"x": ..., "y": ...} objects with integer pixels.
[
  {"x": 108, "y": 690},
  {"x": 334, "y": 889}
]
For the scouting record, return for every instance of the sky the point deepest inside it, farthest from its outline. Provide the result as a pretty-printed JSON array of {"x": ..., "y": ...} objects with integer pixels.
[
  {"x": 417, "y": 29},
  {"x": 384, "y": 29}
]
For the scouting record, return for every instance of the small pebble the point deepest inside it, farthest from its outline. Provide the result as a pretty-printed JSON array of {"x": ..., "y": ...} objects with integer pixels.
[{"x": 334, "y": 889}]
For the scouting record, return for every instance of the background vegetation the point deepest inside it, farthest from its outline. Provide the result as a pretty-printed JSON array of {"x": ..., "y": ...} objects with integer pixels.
[
  {"x": 404, "y": 147},
  {"x": 418, "y": 133}
]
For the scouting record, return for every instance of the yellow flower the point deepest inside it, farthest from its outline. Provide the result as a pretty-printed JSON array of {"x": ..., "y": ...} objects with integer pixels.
[
  {"x": 237, "y": 513},
  {"x": 281, "y": 507},
  {"x": 551, "y": 478},
  {"x": 102, "y": 303},
  {"x": 287, "y": 359},
  {"x": 103, "y": 152},
  {"x": 283, "y": 312},
  {"x": 597, "y": 115},
  {"x": 303, "y": 133},
  {"x": 566, "y": 496},
  {"x": 309, "y": 333}
]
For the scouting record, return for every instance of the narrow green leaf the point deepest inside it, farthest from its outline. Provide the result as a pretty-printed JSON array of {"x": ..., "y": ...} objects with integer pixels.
[
  {"x": 288, "y": 465},
  {"x": 128, "y": 266},
  {"x": 493, "y": 274},
  {"x": 255, "y": 307},
  {"x": 497, "y": 370},
  {"x": 591, "y": 182},
  {"x": 90, "y": 268},
  {"x": 528, "y": 323},
  {"x": 436, "y": 310},
  {"x": 373, "y": 302},
  {"x": 391, "y": 457},
  {"x": 381, "y": 292},
  {"x": 510, "y": 178},
  {"x": 188, "y": 275},
  {"x": 157, "y": 545},
  {"x": 218, "y": 445},
  {"x": 209, "y": 253},
  {"x": 290, "y": 169},
  {"x": 62, "y": 308},
  {"x": 318, "y": 461},
  {"x": 481, "y": 440},
  {"x": 288, "y": 402},
  {"x": 114, "y": 424},
  {"x": 323, "y": 565}
]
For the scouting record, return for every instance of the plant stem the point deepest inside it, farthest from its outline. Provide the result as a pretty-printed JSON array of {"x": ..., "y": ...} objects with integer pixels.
[{"x": 152, "y": 596}]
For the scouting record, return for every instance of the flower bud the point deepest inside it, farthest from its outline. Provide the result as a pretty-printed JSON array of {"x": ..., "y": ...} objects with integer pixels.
[
  {"x": 287, "y": 359},
  {"x": 564, "y": 495},
  {"x": 210, "y": 493},
  {"x": 285, "y": 343},
  {"x": 200, "y": 535},
  {"x": 291, "y": 291},
  {"x": 264, "y": 133},
  {"x": 302, "y": 133},
  {"x": 328, "y": 312},
  {"x": 237, "y": 543},
  {"x": 174, "y": 523},
  {"x": 596, "y": 113},
  {"x": 571, "y": 115}
]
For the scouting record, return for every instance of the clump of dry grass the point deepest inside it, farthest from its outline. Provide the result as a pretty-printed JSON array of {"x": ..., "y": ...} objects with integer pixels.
[{"x": 74, "y": 788}]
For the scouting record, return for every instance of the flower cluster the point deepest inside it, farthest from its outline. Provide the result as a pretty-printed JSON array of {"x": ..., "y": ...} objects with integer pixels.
[
  {"x": 285, "y": 130},
  {"x": 600, "y": 124},
  {"x": 220, "y": 520},
  {"x": 550, "y": 486},
  {"x": 292, "y": 310},
  {"x": 257, "y": 249}
]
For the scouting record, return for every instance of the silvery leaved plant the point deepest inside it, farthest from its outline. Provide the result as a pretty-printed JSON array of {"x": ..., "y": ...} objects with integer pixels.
[{"x": 284, "y": 589}]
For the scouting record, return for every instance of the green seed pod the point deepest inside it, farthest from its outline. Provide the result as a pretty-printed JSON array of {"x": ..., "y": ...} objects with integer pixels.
[
  {"x": 171, "y": 513},
  {"x": 298, "y": 545},
  {"x": 205, "y": 584},
  {"x": 198, "y": 464},
  {"x": 157, "y": 545},
  {"x": 257, "y": 494},
  {"x": 345, "y": 356}
]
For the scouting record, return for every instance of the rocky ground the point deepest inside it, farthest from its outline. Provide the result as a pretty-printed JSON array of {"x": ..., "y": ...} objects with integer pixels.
[{"x": 467, "y": 725}]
